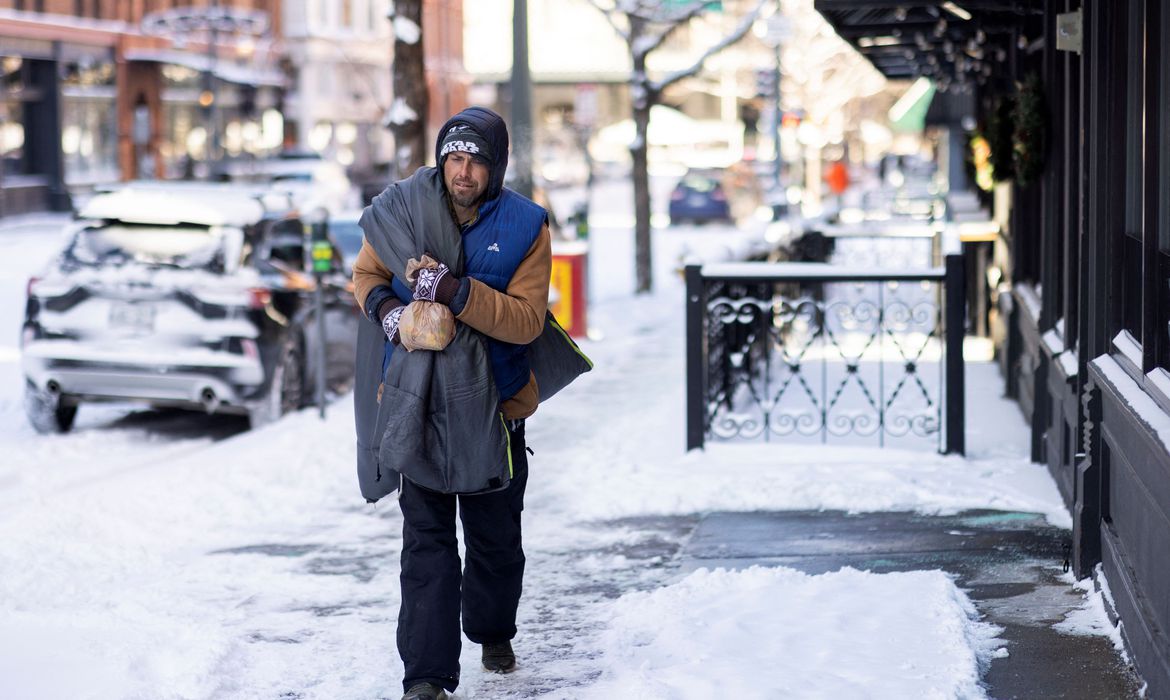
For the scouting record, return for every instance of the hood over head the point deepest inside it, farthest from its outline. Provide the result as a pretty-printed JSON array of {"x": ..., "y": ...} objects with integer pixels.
[{"x": 491, "y": 128}]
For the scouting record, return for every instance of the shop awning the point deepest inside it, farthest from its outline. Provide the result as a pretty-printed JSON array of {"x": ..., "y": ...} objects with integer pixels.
[
  {"x": 948, "y": 41},
  {"x": 909, "y": 112},
  {"x": 258, "y": 76}
]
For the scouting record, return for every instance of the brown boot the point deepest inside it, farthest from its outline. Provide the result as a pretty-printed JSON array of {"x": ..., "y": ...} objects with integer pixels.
[
  {"x": 425, "y": 691},
  {"x": 498, "y": 657}
]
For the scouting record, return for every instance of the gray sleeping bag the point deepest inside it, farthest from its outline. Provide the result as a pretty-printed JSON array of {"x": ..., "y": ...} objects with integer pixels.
[{"x": 438, "y": 422}]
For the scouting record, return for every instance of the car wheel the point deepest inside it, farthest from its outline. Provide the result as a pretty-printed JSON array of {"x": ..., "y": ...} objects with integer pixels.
[
  {"x": 46, "y": 413},
  {"x": 286, "y": 391}
]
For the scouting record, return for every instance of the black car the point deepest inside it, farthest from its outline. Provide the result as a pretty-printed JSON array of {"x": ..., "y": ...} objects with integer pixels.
[
  {"x": 183, "y": 295},
  {"x": 348, "y": 235}
]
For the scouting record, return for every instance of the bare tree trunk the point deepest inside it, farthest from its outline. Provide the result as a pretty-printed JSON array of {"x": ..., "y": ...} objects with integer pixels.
[
  {"x": 408, "y": 115},
  {"x": 642, "y": 99},
  {"x": 642, "y": 257}
]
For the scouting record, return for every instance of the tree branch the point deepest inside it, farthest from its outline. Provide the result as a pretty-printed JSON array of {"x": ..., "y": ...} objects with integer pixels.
[
  {"x": 649, "y": 42},
  {"x": 738, "y": 33}
]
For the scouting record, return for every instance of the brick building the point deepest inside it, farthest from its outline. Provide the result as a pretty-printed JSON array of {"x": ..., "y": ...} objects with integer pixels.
[{"x": 89, "y": 96}]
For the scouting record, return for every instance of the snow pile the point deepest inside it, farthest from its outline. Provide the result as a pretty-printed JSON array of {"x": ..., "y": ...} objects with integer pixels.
[
  {"x": 765, "y": 633},
  {"x": 1092, "y": 617},
  {"x": 185, "y": 578}
]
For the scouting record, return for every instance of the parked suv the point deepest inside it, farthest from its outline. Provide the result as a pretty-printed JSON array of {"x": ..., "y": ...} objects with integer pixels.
[{"x": 184, "y": 295}]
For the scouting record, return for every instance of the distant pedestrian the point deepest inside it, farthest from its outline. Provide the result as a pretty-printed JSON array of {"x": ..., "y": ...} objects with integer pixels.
[
  {"x": 838, "y": 178},
  {"x": 493, "y": 276}
]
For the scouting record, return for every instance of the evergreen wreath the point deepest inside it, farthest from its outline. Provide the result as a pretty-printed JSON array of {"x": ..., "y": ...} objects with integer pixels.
[
  {"x": 1029, "y": 137},
  {"x": 998, "y": 133}
]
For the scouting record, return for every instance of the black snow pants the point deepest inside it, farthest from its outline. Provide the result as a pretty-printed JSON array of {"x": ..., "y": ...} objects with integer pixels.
[{"x": 433, "y": 591}]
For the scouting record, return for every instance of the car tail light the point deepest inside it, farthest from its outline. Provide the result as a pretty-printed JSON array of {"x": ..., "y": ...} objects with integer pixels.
[
  {"x": 718, "y": 196},
  {"x": 259, "y": 298},
  {"x": 678, "y": 195},
  {"x": 27, "y": 336},
  {"x": 32, "y": 282}
]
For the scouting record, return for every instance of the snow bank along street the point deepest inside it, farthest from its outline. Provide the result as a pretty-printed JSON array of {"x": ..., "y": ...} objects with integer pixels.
[{"x": 148, "y": 557}]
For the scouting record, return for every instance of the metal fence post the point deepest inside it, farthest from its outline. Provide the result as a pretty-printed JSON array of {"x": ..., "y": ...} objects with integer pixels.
[
  {"x": 696, "y": 389},
  {"x": 956, "y": 307}
]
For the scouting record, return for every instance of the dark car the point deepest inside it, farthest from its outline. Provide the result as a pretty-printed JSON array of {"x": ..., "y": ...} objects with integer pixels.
[
  {"x": 190, "y": 296},
  {"x": 699, "y": 197},
  {"x": 348, "y": 236}
]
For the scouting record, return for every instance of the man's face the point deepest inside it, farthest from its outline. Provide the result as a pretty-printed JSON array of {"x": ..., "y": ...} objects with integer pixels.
[{"x": 466, "y": 178}]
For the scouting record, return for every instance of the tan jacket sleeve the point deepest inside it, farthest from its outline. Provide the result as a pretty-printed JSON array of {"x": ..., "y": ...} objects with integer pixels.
[
  {"x": 368, "y": 272},
  {"x": 517, "y": 314}
]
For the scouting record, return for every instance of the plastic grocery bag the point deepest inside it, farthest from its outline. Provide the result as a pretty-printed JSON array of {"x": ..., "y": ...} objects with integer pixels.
[{"x": 426, "y": 325}]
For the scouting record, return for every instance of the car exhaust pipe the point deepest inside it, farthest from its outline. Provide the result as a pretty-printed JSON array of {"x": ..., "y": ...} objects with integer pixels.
[{"x": 209, "y": 400}]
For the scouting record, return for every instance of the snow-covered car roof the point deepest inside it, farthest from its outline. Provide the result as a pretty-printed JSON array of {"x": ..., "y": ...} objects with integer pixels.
[{"x": 177, "y": 203}]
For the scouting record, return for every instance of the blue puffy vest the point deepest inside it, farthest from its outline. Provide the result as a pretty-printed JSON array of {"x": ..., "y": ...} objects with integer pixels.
[{"x": 493, "y": 247}]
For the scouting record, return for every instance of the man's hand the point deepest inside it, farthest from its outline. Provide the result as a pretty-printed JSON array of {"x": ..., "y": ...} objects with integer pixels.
[
  {"x": 435, "y": 283},
  {"x": 390, "y": 323}
]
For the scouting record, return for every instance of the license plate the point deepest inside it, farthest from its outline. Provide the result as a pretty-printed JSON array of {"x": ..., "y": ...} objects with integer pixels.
[
  {"x": 135, "y": 317},
  {"x": 695, "y": 201}
]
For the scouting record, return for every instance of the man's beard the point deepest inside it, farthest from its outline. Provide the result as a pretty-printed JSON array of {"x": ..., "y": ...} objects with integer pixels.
[{"x": 466, "y": 202}]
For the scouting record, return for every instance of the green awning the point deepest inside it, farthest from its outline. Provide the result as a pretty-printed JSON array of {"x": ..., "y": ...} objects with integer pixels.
[{"x": 909, "y": 112}]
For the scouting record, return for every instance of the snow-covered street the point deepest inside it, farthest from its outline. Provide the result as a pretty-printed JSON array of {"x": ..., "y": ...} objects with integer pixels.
[{"x": 154, "y": 556}]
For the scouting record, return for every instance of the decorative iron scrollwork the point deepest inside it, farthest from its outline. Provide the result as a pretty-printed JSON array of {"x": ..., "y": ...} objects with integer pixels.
[{"x": 847, "y": 359}]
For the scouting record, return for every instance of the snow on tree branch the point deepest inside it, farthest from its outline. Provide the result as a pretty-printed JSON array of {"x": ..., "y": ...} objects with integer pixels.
[
  {"x": 740, "y": 30},
  {"x": 399, "y": 113},
  {"x": 648, "y": 42},
  {"x": 406, "y": 30}
]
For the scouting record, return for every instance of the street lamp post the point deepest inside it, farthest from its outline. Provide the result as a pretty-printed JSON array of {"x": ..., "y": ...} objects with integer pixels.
[
  {"x": 524, "y": 136},
  {"x": 777, "y": 32},
  {"x": 207, "y": 99}
]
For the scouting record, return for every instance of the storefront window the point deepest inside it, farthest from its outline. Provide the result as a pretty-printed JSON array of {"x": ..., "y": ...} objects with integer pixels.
[
  {"x": 1164, "y": 159},
  {"x": 89, "y": 127},
  {"x": 184, "y": 138},
  {"x": 11, "y": 115}
]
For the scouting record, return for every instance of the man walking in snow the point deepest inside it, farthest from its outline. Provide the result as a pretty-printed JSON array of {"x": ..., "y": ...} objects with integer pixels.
[{"x": 496, "y": 286}]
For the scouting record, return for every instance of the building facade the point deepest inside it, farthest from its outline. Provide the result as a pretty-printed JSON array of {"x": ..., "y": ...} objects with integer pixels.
[
  {"x": 339, "y": 56},
  {"x": 1082, "y": 261},
  {"x": 95, "y": 91}
]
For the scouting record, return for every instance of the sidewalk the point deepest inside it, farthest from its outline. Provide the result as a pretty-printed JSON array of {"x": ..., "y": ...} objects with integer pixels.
[
  {"x": 36, "y": 222},
  {"x": 1010, "y": 565}
]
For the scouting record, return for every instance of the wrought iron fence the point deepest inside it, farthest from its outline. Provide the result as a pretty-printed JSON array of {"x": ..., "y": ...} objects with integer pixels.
[{"x": 814, "y": 351}]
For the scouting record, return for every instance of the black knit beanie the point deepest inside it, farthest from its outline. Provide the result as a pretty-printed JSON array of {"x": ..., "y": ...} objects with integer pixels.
[
  {"x": 490, "y": 126},
  {"x": 464, "y": 138}
]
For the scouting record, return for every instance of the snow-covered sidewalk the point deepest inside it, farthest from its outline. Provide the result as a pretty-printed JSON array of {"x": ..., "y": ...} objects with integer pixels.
[{"x": 251, "y": 568}]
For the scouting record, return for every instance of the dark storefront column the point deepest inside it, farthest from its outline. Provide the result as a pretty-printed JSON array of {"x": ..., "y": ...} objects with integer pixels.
[
  {"x": 1104, "y": 33},
  {"x": 42, "y": 132}
]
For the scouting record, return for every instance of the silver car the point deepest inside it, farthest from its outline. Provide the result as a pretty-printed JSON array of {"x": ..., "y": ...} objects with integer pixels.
[{"x": 193, "y": 296}]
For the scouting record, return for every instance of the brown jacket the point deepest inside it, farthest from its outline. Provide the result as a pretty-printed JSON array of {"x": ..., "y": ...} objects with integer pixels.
[{"x": 514, "y": 316}]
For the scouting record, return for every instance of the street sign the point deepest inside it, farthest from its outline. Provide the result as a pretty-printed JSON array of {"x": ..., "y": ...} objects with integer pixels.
[
  {"x": 585, "y": 105},
  {"x": 672, "y": 5}
]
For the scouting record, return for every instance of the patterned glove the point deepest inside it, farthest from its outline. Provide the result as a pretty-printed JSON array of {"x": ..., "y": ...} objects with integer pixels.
[
  {"x": 390, "y": 323},
  {"x": 435, "y": 284}
]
